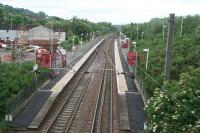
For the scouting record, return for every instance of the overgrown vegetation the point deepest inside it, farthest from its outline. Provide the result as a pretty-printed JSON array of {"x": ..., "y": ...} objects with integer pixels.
[
  {"x": 14, "y": 78},
  {"x": 173, "y": 107}
]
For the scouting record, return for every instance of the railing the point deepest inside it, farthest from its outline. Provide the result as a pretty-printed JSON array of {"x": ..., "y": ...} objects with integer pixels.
[
  {"x": 140, "y": 82},
  {"x": 15, "y": 103}
]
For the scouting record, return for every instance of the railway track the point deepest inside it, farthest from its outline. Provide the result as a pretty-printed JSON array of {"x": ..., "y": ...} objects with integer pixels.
[
  {"x": 65, "y": 118},
  {"x": 107, "y": 120}
]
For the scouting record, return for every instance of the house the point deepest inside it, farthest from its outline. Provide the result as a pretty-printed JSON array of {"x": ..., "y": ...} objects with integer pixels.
[
  {"x": 8, "y": 34},
  {"x": 39, "y": 35},
  {"x": 44, "y": 37}
]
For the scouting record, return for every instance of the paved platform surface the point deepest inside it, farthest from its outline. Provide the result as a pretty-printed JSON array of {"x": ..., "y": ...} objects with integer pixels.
[
  {"x": 134, "y": 99},
  {"x": 30, "y": 115},
  {"x": 29, "y": 112},
  {"x": 122, "y": 88}
]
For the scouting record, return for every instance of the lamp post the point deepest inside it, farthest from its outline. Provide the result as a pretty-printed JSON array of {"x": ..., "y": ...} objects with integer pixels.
[
  {"x": 70, "y": 24},
  {"x": 11, "y": 26},
  {"x": 93, "y": 35},
  {"x": 181, "y": 27},
  {"x": 81, "y": 40},
  {"x": 73, "y": 47},
  {"x": 164, "y": 26},
  {"x": 137, "y": 31},
  {"x": 147, "y": 59},
  {"x": 197, "y": 29},
  {"x": 90, "y": 36},
  {"x": 131, "y": 30},
  {"x": 74, "y": 26},
  {"x": 142, "y": 34},
  {"x": 134, "y": 43}
]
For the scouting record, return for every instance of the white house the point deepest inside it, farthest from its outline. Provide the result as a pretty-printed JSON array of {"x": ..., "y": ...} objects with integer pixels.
[
  {"x": 8, "y": 34},
  {"x": 40, "y": 33}
]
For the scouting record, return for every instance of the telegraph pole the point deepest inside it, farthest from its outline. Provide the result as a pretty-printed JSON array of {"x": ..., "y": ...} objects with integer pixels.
[{"x": 169, "y": 47}]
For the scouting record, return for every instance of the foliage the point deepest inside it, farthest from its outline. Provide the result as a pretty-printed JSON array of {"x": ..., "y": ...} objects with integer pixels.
[
  {"x": 169, "y": 113},
  {"x": 163, "y": 111},
  {"x": 13, "y": 78}
]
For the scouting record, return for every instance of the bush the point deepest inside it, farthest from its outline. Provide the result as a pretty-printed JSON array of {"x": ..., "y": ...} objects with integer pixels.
[{"x": 14, "y": 78}]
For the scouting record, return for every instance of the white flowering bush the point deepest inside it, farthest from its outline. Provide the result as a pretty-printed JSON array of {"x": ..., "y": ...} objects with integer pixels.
[{"x": 176, "y": 107}]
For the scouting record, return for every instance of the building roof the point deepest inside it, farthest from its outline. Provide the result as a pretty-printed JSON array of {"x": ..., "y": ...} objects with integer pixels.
[{"x": 26, "y": 27}]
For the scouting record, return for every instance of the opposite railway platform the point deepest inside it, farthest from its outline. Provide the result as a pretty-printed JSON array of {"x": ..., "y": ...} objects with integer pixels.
[{"x": 132, "y": 115}]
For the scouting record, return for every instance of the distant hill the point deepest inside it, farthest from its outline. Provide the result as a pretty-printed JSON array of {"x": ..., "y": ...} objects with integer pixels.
[{"x": 25, "y": 17}]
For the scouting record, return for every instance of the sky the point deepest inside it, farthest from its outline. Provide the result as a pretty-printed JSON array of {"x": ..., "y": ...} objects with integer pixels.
[{"x": 114, "y": 11}]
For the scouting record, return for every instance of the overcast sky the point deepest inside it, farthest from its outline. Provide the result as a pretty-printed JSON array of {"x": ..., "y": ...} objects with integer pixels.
[{"x": 115, "y": 11}]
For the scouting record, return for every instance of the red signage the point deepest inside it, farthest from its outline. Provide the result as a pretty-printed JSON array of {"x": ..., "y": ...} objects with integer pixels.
[{"x": 131, "y": 58}]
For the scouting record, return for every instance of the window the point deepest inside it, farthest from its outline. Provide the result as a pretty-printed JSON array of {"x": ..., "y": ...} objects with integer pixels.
[{"x": 7, "y": 38}]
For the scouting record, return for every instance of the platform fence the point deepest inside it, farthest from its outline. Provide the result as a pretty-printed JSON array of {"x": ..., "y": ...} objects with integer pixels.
[
  {"x": 22, "y": 96},
  {"x": 140, "y": 82}
]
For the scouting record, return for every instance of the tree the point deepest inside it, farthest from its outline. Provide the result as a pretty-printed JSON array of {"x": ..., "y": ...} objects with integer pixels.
[{"x": 41, "y": 14}]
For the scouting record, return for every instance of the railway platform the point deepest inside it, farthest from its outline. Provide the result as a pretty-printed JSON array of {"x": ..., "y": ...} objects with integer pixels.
[
  {"x": 132, "y": 115},
  {"x": 32, "y": 114}
]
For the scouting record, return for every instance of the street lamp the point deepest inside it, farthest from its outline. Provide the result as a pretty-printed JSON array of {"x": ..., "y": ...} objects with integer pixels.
[
  {"x": 164, "y": 26},
  {"x": 90, "y": 36},
  {"x": 73, "y": 47},
  {"x": 147, "y": 51},
  {"x": 137, "y": 31},
  {"x": 134, "y": 44},
  {"x": 81, "y": 40},
  {"x": 181, "y": 27},
  {"x": 197, "y": 29},
  {"x": 93, "y": 35},
  {"x": 70, "y": 23},
  {"x": 131, "y": 30},
  {"x": 74, "y": 26},
  {"x": 11, "y": 24},
  {"x": 142, "y": 34}
]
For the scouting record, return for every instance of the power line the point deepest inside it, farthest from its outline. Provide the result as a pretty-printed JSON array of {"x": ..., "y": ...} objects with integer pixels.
[{"x": 172, "y": 97}]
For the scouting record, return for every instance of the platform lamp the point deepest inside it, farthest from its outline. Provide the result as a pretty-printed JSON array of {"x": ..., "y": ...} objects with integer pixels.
[
  {"x": 142, "y": 34},
  {"x": 134, "y": 44},
  {"x": 197, "y": 29},
  {"x": 73, "y": 47},
  {"x": 181, "y": 32},
  {"x": 164, "y": 26},
  {"x": 11, "y": 24},
  {"x": 81, "y": 40},
  {"x": 147, "y": 59}
]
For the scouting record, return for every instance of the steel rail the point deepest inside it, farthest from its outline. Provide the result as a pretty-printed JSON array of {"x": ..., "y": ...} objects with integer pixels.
[
  {"x": 70, "y": 94},
  {"x": 101, "y": 97},
  {"x": 76, "y": 108}
]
